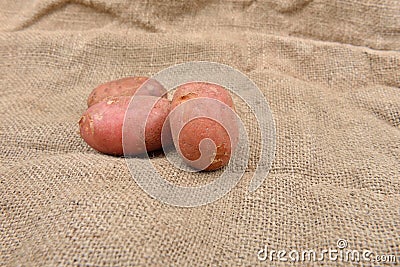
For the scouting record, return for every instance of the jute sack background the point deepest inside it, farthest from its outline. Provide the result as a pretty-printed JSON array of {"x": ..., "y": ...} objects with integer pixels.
[{"x": 329, "y": 70}]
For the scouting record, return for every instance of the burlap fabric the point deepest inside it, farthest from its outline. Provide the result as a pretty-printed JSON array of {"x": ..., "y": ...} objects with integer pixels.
[{"x": 330, "y": 71}]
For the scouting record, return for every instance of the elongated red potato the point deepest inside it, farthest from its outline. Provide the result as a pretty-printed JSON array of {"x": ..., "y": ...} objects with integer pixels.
[
  {"x": 125, "y": 87},
  {"x": 205, "y": 143},
  {"x": 101, "y": 126}
]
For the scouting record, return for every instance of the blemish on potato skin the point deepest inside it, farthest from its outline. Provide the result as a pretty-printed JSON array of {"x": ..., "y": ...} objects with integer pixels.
[
  {"x": 98, "y": 117},
  {"x": 188, "y": 96},
  {"x": 82, "y": 120},
  {"x": 216, "y": 161},
  {"x": 91, "y": 124}
]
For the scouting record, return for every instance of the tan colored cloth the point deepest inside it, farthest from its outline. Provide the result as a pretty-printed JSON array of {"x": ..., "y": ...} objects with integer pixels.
[{"x": 330, "y": 71}]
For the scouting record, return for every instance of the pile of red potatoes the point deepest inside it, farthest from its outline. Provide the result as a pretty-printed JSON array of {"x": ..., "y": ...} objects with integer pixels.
[{"x": 102, "y": 124}]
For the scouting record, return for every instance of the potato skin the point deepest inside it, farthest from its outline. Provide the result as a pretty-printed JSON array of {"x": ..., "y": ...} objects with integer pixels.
[
  {"x": 125, "y": 87},
  {"x": 101, "y": 126},
  {"x": 193, "y": 132}
]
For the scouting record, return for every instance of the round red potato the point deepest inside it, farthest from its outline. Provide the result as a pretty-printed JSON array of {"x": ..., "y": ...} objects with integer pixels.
[
  {"x": 126, "y": 87},
  {"x": 204, "y": 130},
  {"x": 101, "y": 126}
]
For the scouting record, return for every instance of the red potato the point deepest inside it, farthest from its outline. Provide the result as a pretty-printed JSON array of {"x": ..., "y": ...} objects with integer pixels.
[
  {"x": 101, "y": 126},
  {"x": 189, "y": 129},
  {"x": 125, "y": 87}
]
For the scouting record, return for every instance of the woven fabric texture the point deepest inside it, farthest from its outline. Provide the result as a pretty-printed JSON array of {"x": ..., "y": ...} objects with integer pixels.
[{"x": 330, "y": 71}]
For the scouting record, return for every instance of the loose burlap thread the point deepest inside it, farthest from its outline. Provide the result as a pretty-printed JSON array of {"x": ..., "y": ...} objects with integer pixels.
[{"x": 330, "y": 71}]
